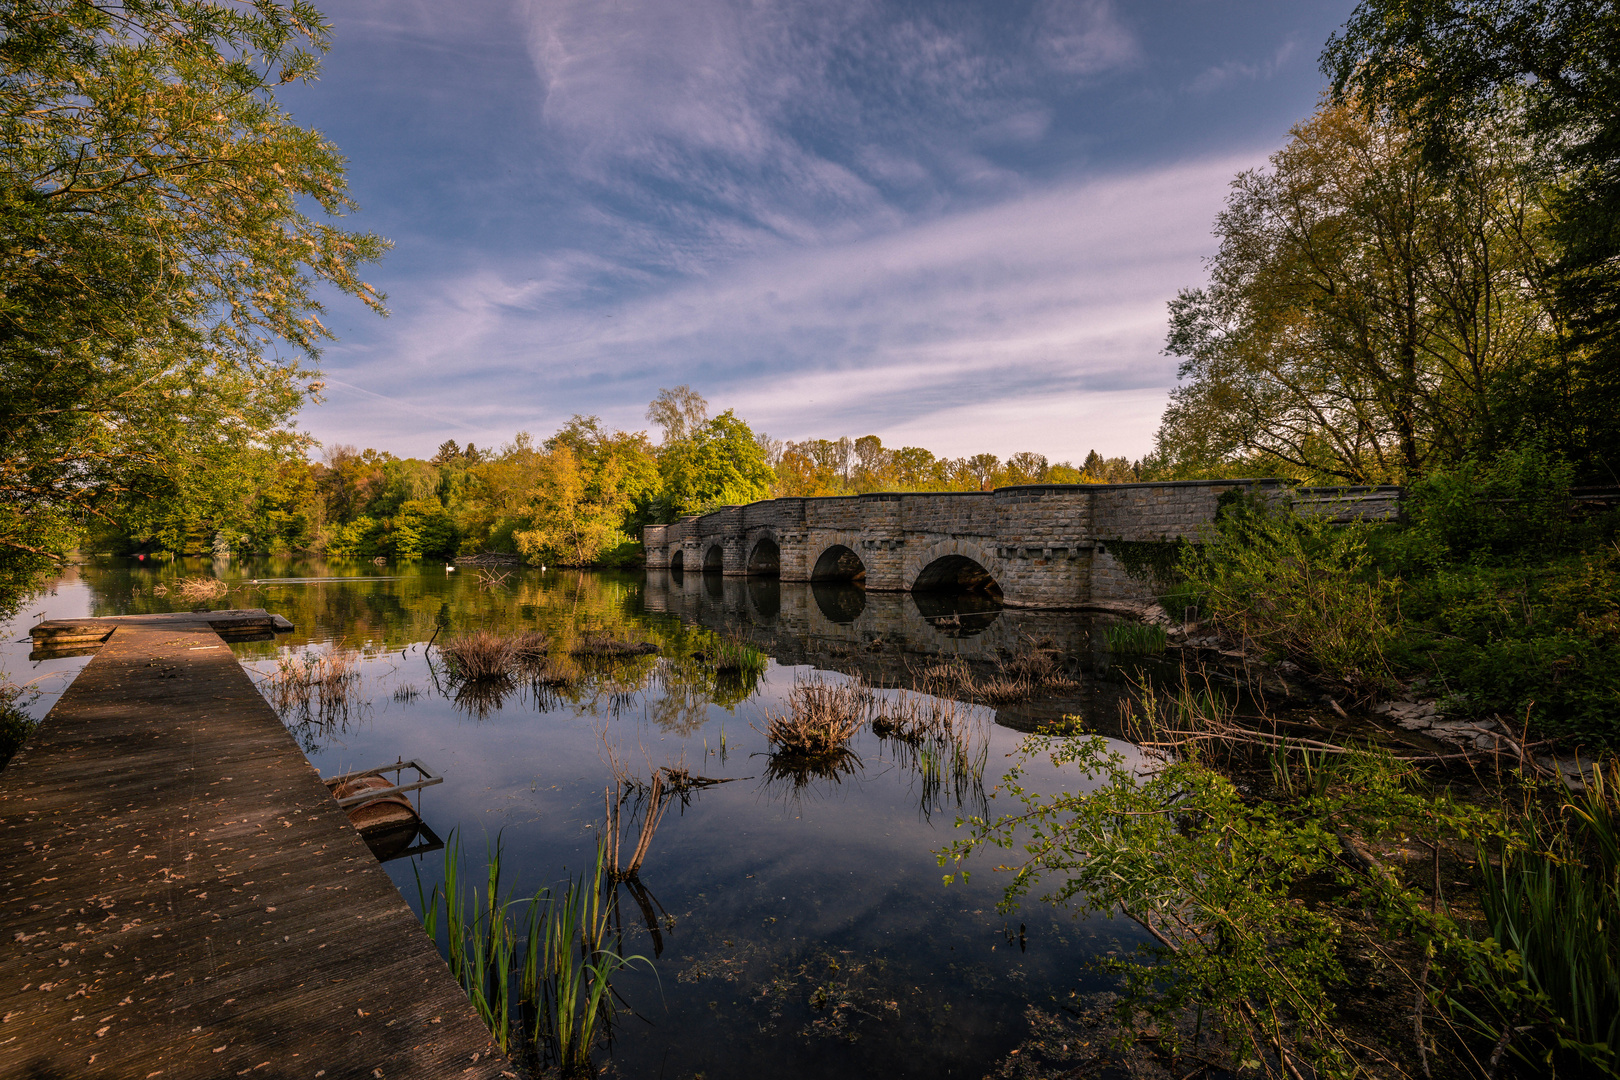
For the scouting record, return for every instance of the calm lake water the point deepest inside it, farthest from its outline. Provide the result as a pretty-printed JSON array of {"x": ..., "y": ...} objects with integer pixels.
[{"x": 802, "y": 929}]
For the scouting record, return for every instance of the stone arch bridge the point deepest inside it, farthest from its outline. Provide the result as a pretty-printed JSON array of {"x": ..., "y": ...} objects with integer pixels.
[{"x": 1039, "y": 546}]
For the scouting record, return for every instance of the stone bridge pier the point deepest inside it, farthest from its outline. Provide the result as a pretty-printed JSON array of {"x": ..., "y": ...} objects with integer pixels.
[{"x": 1037, "y": 546}]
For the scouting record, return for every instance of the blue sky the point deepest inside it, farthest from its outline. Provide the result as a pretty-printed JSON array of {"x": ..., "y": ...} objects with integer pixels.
[{"x": 953, "y": 225}]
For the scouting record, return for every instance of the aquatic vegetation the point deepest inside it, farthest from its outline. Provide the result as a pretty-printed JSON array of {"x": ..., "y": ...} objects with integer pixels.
[
  {"x": 932, "y": 740},
  {"x": 1556, "y": 904},
  {"x": 314, "y": 683},
  {"x": 193, "y": 589},
  {"x": 1269, "y": 915},
  {"x": 732, "y": 656},
  {"x": 529, "y": 649},
  {"x": 1029, "y": 672},
  {"x": 540, "y": 979},
  {"x": 1136, "y": 639},
  {"x": 653, "y": 805},
  {"x": 910, "y": 716},
  {"x": 611, "y": 647},
  {"x": 316, "y": 694},
  {"x": 820, "y": 720},
  {"x": 481, "y": 656}
]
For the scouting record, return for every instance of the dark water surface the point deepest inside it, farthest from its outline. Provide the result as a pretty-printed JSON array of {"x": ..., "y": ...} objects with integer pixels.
[{"x": 801, "y": 930}]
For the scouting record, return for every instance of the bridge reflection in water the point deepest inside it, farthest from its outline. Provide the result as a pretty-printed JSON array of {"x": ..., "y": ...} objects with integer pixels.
[{"x": 889, "y": 638}]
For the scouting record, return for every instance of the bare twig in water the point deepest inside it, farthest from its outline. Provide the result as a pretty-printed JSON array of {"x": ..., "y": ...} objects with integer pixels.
[{"x": 653, "y": 806}]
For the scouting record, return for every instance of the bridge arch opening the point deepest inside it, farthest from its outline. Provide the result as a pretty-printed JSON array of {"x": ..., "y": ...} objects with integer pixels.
[
  {"x": 766, "y": 559},
  {"x": 677, "y": 561},
  {"x": 714, "y": 560},
  {"x": 839, "y": 563},
  {"x": 958, "y": 574}
]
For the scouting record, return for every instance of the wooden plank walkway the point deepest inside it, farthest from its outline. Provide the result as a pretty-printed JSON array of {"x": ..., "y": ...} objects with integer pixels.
[{"x": 180, "y": 896}]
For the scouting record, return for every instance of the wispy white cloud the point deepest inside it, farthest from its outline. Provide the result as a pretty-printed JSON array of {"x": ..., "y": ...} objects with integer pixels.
[
  {"x": 1231, "y": 72},
  {"x": 839, "y": 217},
  {"x": 1083, "y": 37},
  {"x": 737, "y": 126},
  {"x": 974, "y": 325}
]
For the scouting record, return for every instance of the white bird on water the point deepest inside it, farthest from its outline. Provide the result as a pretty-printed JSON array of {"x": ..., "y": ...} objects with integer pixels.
[{"x": 449, "y": 568}]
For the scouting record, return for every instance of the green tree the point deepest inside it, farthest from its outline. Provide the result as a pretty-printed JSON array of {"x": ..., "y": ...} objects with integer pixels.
[
  {"x": 680, "y": 412},
  {"x": 1447, "y": 67},
  {"x": 159, "y": 267},
  {"x": 588, "y": 484},
  {"x": 1365, "y": 318},
  {"x": 720, "y": 464}
]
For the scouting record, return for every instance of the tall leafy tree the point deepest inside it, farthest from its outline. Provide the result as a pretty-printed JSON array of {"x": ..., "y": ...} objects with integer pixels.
[
  {"x": 719, "y": 464},
  {"x": 587, "y": 485},
  {"x": 164, "y": 229},
  {"x": 1444, "y": 67},
  {"x": 1366, "y": 317}
]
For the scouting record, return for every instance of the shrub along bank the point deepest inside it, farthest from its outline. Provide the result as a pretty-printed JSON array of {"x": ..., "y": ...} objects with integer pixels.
[{"x": 1497, "y": 593}]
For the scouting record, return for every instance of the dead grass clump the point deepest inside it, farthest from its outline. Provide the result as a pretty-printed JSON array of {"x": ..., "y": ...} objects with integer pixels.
[
  {"x": 529, "y": 650},
  {"x": 943, "y": 678},
  {"x": 605, "y": 645},
  {"x": 314, "y": 684},
  {"x": 911, "y": 717},
  {"x": 1033, "y": 670},
  {"x": 554, "y": 675},
  {"x": 1035, "y": 663},
  {"x": 820, "y": 720},
  {"x": 192, "y": 589},
  {"x": 481, "y": 656}
]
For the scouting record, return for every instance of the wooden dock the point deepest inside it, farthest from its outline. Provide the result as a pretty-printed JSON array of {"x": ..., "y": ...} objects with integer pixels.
[{"x": 180, "y": 896}]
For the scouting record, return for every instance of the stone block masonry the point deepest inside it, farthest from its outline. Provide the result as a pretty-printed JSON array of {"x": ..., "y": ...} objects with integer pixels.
[{"x": 1039, "y": 546}]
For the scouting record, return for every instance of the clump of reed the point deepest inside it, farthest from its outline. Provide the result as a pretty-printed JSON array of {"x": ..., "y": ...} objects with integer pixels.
[
  {"x": 609, "y": 647},
  {"x": 1136, "y": 639},
  {"x": 314, "y": 682},
  {"x": 485, "y": 656},
  {"x": 820, "y": 719},
  {"x": 538, "y": 971},
  {"x": 193, "y": 589},
  {"x": 653, "y": 805},
  {"x": 481, "y": 656},
  {"x": 910, "y": 716},
  {"x": 406, "y": 694},
  {"x": 1030, "y": 671},
  {"x": 732, "y": 656},
  {"x": 486, "y": 667},
  {"x": 1556, "y": 904},
  {"x": 931, "y": 738}
]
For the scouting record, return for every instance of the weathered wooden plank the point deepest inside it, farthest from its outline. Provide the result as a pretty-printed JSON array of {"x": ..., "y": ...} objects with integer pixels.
[
  {"x": 226, "y": 622},
  {"x": 181, "y": 897}
]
